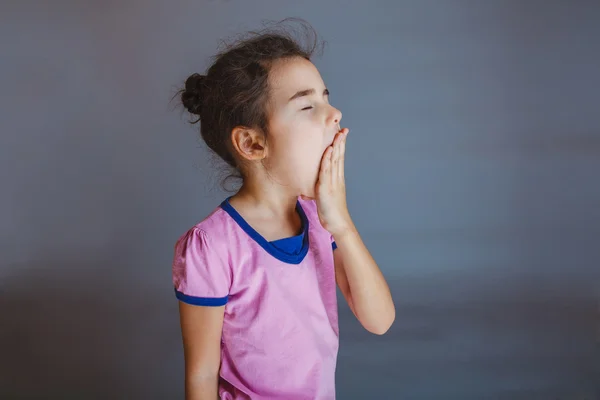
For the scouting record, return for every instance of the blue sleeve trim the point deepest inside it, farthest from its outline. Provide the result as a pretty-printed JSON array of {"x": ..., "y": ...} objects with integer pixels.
[
  {"x": 202, "y": 301},
  {"x": 333, "y": 245}
]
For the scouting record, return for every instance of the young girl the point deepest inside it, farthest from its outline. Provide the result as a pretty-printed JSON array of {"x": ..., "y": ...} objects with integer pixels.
[{"x": 256, "y": 279}]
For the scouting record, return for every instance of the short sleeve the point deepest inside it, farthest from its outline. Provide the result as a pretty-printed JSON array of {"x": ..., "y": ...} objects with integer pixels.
[{"x": 201, "y": 274}]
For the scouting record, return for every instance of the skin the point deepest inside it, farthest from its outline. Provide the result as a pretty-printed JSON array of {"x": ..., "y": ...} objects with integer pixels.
[{"x": 303, "y": 155}]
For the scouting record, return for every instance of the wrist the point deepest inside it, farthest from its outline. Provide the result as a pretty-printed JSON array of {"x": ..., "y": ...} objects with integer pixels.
[{"x": 348, "y": 229}]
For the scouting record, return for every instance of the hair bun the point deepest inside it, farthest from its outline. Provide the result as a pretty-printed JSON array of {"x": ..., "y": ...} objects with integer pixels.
[{"x": 192, "y": 95}]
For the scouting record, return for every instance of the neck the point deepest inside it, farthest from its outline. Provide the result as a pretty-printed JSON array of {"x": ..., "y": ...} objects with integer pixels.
[{"x": 268, "y": 197}]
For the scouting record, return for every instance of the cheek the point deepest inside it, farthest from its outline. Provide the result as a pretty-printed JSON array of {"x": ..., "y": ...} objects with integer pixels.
[
  {"x": 314, "y": 163},
  {"x": 303, "y": 161},
  {"x": 299, "y": 152},
  {"x": 305, "y": 158},
  {"x": 314, "y": 151}
]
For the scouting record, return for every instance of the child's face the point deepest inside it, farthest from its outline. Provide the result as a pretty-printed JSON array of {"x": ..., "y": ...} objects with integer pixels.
[{"x": 300, "y": 129}]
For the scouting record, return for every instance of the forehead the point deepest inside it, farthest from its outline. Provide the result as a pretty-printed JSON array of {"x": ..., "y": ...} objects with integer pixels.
[{"x": 288, "y": 76}]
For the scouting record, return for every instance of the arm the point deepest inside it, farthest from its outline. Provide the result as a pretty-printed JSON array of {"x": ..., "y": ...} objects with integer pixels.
[
  {"x": 201, "y": 328},
  {"x": 362, "y": 283},
  {"x": 356, "y": 273}
]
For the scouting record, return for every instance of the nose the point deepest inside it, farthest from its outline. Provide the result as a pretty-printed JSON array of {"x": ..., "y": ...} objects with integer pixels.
[{"x": 336, "y": 116}]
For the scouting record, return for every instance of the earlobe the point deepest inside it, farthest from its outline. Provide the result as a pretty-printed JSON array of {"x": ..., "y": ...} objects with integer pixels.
[{"x": 248, "y": 143}]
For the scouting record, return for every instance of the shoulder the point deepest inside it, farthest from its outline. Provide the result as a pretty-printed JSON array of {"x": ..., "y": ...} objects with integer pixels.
[
  {"x": 211, "y": 232},
  {"x": 310, "y": 210},
  {"x": 201, "y": 270},
  {"x": 309, "y": 207}
]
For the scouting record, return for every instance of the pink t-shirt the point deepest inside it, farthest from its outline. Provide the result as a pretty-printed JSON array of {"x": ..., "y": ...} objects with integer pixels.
[{"x": 280, "y": 331}]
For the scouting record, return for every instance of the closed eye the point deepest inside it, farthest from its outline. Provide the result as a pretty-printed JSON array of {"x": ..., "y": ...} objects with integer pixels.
[{"x": 309, "y": 92}]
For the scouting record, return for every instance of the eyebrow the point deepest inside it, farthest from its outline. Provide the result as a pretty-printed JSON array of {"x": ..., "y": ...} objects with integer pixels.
[{"x": 306, "y": 92}]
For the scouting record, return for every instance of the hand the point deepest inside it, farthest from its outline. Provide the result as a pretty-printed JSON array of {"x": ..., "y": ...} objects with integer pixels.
[{"x": 330, "y": 189}]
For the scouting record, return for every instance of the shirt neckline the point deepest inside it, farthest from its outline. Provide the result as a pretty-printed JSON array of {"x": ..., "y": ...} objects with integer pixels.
[{"x": 265, "y": 244}]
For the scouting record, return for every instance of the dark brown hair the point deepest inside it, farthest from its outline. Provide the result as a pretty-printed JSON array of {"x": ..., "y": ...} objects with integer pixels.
[{"x": 235, "y": 92}]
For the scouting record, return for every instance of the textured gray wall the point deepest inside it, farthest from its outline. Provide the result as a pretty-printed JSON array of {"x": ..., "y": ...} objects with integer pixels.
[{"x": 473, "y": 173}]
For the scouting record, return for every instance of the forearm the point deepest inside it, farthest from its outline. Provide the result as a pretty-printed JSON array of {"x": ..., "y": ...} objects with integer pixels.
[
  {"x": 201, "y": 388},
  {"x": 369, "y": 292}
]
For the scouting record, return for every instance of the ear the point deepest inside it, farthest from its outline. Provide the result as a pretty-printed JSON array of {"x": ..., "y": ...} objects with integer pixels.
[{"x": 248, "y": 143}]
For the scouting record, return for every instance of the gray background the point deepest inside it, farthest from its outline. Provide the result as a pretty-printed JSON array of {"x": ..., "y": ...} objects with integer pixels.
[{"x": 472, "y": 169}]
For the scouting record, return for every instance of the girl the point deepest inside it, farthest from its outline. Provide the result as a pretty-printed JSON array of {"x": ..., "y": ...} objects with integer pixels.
[{"x": 256, "y": 279}]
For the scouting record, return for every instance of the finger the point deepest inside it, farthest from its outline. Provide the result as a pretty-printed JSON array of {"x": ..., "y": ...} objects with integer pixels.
[
  {"x": 324, "y": 173},
  {"x": 328, "y": 172},
  {"x": 334, "y": 155},
  {"x": 336, "y": 148},
  {"x": 342, "y": 156},
  {"x": 339, "y": 162}
]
